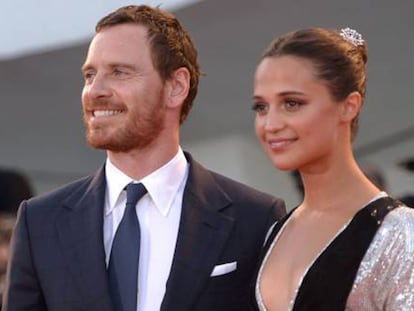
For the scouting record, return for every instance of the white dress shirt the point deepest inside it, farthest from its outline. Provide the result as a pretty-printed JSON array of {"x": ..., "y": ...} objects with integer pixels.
[{"x": 159, "y": 214}]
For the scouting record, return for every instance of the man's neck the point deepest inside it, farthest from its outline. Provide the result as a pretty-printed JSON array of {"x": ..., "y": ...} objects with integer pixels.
[{"x": 140, "y": 163}]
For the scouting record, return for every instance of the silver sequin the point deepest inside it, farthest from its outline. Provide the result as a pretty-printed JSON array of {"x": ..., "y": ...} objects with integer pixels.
[{"x": 385, "y": 279}]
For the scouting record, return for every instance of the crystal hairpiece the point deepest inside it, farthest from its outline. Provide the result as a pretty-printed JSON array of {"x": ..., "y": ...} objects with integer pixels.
[{"x": 352, "y": 36}]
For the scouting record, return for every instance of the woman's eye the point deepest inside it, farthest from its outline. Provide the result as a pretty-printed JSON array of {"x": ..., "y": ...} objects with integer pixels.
[
  {"x": 292, "y": 105},
  {"x": 259, "y": 107}
]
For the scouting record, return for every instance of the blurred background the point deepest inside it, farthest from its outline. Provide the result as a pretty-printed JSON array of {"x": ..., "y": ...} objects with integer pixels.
[{"x": 44, "y": 43}]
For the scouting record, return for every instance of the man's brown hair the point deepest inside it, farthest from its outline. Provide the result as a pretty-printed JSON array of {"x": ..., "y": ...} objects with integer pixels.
[{"x": 170, "y": 45}]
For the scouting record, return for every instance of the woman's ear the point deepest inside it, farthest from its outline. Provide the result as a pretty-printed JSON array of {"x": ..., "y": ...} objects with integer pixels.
[
  {"x": 351, "y": 107},
  {"x": 178, "y": 87}
]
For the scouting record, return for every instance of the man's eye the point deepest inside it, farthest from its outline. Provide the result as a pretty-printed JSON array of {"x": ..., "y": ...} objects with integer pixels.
[
  {"x": 118, "y": 72},
  {"x": 89, "y": 76},
  {"x": 259, "y": 107}
]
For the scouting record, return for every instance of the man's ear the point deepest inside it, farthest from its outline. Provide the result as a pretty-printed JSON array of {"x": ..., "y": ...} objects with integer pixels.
[
  {"x": 351, "y": 106},
  {"x": 178, "y": 87}
]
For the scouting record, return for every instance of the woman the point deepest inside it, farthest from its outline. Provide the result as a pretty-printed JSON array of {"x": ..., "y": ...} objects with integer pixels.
[{"x": 347, "y": 246}]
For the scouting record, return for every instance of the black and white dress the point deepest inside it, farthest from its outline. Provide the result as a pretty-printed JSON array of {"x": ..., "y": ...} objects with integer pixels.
[{"x": 368, "y": 265}]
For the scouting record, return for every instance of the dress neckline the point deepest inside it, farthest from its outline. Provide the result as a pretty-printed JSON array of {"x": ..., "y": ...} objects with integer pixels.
[{"x": 259, "y": 297}]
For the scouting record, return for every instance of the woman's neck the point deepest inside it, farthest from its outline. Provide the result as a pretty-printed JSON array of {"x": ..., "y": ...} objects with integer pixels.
[{"x": 342, "y": 186}]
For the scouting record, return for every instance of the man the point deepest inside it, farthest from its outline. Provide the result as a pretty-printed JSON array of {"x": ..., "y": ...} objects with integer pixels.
[
  {"x": 14, "y": 188},
  {"x": 199, "y": 233},
  {"x": 7, "y": 221}
]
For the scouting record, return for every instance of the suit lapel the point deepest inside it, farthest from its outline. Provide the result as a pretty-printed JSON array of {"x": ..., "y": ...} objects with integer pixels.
[
  {"x": 80, "y": 230},
  {"x": 202, "y": 234}
]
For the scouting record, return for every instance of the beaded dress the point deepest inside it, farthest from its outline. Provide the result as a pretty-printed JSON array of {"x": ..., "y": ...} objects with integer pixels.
[{"x": 367, "y": 266}]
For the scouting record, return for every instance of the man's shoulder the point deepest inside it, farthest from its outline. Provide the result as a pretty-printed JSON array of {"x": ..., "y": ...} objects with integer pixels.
[
  {"x": 244, "y": 191},
  {"x": 236, "y": 189},
  {"x": 249, "y": 200},
  {"x": 60, "y": 193}
]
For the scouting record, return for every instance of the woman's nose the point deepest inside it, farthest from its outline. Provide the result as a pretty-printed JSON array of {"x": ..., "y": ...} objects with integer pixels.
[{"x": 274, "y": 120}]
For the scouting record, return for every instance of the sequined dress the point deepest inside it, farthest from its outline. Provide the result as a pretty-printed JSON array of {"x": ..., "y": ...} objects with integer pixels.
[{"x": 383, "y": 277}]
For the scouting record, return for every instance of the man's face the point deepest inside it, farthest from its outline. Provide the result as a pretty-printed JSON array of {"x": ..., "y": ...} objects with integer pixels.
[{"x": 123, "y": 96}]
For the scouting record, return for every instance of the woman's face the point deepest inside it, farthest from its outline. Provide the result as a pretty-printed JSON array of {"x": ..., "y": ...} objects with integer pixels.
[{"x": 297, "y": 121}]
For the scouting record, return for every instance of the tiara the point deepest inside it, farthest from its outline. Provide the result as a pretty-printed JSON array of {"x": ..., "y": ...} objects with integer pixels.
[{"x": 352, "y": 36}]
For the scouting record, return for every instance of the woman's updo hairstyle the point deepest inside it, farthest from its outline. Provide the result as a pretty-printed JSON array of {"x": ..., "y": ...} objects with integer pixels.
[{"x": 339, "y": 58}]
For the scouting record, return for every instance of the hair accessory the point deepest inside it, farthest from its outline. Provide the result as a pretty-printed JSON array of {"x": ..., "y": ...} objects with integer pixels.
[{"x": 352, "y": 36}]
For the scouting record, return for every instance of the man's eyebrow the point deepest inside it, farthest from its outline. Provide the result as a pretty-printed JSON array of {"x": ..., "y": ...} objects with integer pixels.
[
  {"x": 85, "y": 67},
  {"x": 122, "y": 65}
]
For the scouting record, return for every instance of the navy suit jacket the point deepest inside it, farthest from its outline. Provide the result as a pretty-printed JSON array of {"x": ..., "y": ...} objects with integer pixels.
[{"x": 58, "y": 259}]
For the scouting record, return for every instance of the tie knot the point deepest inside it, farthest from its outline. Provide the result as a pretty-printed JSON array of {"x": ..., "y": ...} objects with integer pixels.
[{"x": 135, "y": 192}]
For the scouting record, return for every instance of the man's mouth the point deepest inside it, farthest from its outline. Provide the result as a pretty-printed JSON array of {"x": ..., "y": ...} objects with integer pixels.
[{"x": 105, "y": 113}]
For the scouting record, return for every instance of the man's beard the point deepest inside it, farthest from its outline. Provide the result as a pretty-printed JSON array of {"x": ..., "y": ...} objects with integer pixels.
[{"x": 139, "y": 131}]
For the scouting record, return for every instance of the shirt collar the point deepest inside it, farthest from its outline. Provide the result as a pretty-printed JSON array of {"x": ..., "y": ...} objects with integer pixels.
[{"x": 162, "y": 184}]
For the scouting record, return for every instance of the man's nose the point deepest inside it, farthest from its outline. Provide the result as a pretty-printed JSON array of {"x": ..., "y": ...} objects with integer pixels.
[{"x": 98, "y": 87}]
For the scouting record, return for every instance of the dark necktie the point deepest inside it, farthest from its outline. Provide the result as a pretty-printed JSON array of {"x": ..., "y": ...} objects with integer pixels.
[{"x": 124, "y": 258}]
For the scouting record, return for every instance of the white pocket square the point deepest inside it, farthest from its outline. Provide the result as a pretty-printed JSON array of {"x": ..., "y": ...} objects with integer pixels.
[{"x": 224, "y": 268}]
